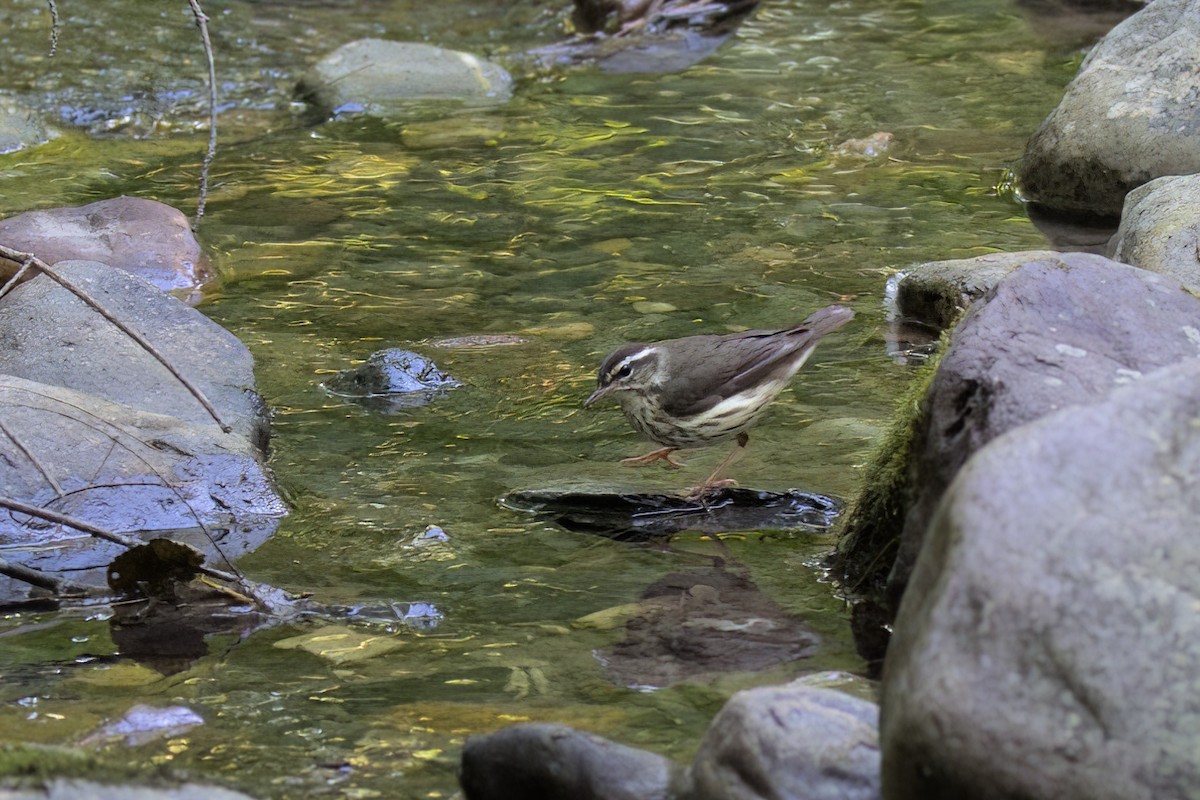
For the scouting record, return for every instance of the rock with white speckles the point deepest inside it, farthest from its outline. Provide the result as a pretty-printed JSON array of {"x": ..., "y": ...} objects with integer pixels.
[
  {"x": 1063, "y": 331},
  {"x": 1160, "y": 229},
  {"x": 1047, "y": 644},
  {"x": 1127, "y": 117}
]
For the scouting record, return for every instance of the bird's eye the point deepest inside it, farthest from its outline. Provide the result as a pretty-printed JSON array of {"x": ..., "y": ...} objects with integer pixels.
[{"x": 624, "y": 371}]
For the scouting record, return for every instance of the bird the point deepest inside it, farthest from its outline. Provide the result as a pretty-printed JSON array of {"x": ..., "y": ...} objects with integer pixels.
[{"x": 700, "y": 390}]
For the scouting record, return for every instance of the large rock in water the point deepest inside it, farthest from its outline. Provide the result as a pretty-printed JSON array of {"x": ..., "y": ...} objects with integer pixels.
[
  {"x": 544, "y": 761},
  {"x": 146, "y": 238},
  {"x": 1047, "y": 646},
  {"x": 793, "y": 741},
  {"x": 378, "y": 76},
  {"x": 1127, "y": 117},
  {"x": 97, "y": 428},
  {"x": 1160, "y": 229},
  {"x": 1054, "y": 333}
]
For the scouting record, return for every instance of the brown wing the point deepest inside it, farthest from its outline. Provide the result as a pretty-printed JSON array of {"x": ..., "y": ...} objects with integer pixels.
[{"x": 722, "y": 366}]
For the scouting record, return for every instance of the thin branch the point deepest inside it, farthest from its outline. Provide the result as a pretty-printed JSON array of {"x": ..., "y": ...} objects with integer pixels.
[
  {"x": 100, "y": 533},
  {"x": 11, "y": 282},
  {"x": 53, "y": 27},
  {"x": 202, "y": 24},
  {"x": 32, "y": 457},
  {"x": 60, "y": 586},
  {"x": 16, "y": 255}
]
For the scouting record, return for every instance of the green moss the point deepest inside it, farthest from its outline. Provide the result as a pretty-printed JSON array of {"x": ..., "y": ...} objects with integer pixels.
[
  {"x": 24, "y": 765},
  {"x": 43, "y": 761},
  {"x": 869, "y": 541}
]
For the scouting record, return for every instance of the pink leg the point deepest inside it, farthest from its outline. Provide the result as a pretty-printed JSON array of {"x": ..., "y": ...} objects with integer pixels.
[
  {"x": 661, "y": 454},
  {"x": 712, "y": 482}
]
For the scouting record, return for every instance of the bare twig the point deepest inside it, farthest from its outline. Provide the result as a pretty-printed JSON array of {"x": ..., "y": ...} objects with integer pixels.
[
  {"x": 202, "y": 24},
  {"x": 11, "y": 282},
  {"x": 42, "y": 266},
  {"x": 100, "y": 533},
  {"x": 32, "y": 457},
  {"x": 53, "y": 27},
  {"x": 60, "y": 586}
]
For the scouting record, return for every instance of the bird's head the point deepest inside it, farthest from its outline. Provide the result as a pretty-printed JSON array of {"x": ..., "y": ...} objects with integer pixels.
[{"x": 632, "y": 368}]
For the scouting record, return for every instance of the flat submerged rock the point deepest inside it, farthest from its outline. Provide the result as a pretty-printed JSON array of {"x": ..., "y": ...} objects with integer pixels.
[{"x": 641, "y": 516}]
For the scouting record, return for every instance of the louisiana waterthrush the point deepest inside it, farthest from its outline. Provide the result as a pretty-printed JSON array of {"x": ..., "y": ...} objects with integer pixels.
[{"x": 700, "y": 390}]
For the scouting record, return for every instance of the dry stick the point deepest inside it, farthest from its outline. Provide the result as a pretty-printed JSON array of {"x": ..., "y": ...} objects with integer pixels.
[
  {"x": 202, "y": 24},
  {"x": 34, "y": 577},
  {"x": 32, "y": 457},
  {"x": 15, "y": 255},
  {"x": 53, "y": 28},
  {"x": 11, "y": 282},
  {"x": 100, "y": 533}
]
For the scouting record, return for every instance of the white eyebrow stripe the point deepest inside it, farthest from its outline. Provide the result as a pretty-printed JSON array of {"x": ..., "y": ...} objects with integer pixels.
[{"x": 633, "y": 358}]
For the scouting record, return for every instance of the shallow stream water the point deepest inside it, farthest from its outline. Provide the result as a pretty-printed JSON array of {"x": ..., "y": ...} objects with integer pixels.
[{"x": 591, "y": 210}]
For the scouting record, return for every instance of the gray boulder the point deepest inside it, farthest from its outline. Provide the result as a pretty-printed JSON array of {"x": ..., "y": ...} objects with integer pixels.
[
  {"x": 543, "y": 761},
  {"x": 937, "y": 292},
  {"x": 1127, "y": 117},
  {"x": 148, "y": 239},
  {"x": 1053, "y": 334},
  {"x": 792, "y": 741},
  {"x": 392, "y": 380},
  {"x": 795, "y": 741},
  {"x": 1046, "y": 647},
  {"x": 1160, "y": 229},
  {"x": 377, "y": 77},
  {"x": 51, "y": 336},
  {"x": 97, "y": 428}
]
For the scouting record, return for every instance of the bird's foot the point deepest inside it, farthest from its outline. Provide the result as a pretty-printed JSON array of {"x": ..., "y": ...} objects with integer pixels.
[{"x": 662, "y": 454}]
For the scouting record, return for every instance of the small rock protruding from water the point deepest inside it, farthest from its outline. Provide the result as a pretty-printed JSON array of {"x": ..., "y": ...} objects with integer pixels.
[
  {"x": 391, "y": 380},
  {"x": 379, "y": 77},
  {"x": 143, "y": 237}
]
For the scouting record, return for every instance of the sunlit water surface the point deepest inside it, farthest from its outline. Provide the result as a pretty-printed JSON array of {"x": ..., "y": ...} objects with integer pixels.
[{"x": 591, "y": 210}]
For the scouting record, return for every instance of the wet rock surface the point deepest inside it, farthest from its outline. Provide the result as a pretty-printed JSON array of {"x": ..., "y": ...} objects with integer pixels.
[
  {"x": 938, "y": 292},
  {"x": 623, "y": 36},
  {"x": 1046, "y": 645},
  {"x": 639, "y": 517},
  {"x": 794, "y": 741},
  {"x": 99, "y": 429},
  {"x": 789, "y": 741},
  {"x": 51, "y": 336},
  {"x": 145, "y": 238},
  {"x": 69, "y": 789},
  {"x": 542, "y": 761},
  {"x": 391, "y": 380}
]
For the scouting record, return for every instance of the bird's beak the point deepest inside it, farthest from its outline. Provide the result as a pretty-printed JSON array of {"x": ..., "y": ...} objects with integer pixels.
[{"x": 596, "y": 395}]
